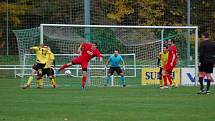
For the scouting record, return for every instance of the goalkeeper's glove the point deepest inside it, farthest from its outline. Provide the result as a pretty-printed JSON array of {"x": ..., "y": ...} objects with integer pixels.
[{"x": 123, "y": 68}]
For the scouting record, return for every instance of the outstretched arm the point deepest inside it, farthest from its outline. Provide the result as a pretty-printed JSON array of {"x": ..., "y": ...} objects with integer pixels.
[
  {"x": 34, "y": 48},
  {"x": 80, "y": 48},
  {"x": 123, "y": 63},
  {"x": 99, "y": 55}
]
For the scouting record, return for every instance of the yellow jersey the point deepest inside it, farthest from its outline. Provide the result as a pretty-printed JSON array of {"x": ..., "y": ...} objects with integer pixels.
[
  {"x": 50, "y": 60},
  {"x": 163, "y": 57},
  {"x": 42, "y": 54}
]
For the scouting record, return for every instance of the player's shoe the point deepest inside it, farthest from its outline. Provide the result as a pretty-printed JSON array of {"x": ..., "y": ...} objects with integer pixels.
[
  {"x": 207, "y": 92},
  {"x": 26, "y": 86},
  {"x": 123, "y": 85},
  {"x": 201, "y": 92},
  {"x": 166, "y": 87},
  {"x": 161, "y": 87},
  {"x": 39, "y": 87}
]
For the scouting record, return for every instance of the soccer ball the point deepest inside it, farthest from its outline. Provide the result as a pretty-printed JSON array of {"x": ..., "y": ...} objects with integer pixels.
[{"x": 67, "y": 72}]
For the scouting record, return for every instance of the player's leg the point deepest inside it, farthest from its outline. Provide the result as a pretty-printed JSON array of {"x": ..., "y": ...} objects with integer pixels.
[
  {"x": 107, "y": 78},
  {"x": 169, "y": 77},
  {"x": 50, "y": 74},
  {"x": 77, "y": 60},
  {"x": 84, "y": 78},
  {"x": 160, "y": 77},
  {"x": 209, "y": 70},
  {"x": 168, "y": 74},
  {"x": 209, "y": 77},
  {"x": 31, "y": 77},
  {"x": 84, "y": 66},
  {"x": 121, "y": 73},
  {"x": 39, "y": 82},
  {"x": 164, "y": 75},
  {"x": 201, "y": 78},
  {"x": 202, "y": 74},
  {"x": 65, "y": 66}
]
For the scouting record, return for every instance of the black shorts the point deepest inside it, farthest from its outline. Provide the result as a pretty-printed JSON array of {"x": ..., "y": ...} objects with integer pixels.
[
  {"x": 206, "y": 67},
  {"x": 117, "y": 69},
  {"x": 48, "y": 71},
  {"x": 38, "y": 66}
]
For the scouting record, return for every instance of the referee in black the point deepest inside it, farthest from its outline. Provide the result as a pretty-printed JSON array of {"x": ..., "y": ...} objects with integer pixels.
[{"x": 206, "y": 62}]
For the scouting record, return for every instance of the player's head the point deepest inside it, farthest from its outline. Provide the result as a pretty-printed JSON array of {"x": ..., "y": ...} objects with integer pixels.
[
  {"x": 165, "y": 49},
  {"x": 170, "y": 42},
  {"x": 116, "y": 52},
  {"x": 46, "y": 48},
  {"x": 94, "y": 45},
  {"x": 204, "y": 36}
]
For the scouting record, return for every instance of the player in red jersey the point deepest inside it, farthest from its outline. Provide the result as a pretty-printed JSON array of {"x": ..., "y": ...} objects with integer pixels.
[
  {"x": 86, "y": 51},
  {"x": 171, "y": 62}
]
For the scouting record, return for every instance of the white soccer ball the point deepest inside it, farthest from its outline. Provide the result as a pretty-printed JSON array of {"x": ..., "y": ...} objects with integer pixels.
[{"x": 67, "y": 72}]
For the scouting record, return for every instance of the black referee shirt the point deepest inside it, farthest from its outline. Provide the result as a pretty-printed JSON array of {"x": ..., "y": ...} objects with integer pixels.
[{"x": 207, "y": 51}]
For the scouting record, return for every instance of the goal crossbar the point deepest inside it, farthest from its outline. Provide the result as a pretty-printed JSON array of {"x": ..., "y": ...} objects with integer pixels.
[{"x": 116, "y": 26}]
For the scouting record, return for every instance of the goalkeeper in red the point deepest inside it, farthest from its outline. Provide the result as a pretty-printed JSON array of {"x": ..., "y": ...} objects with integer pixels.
[
  {"x": 171, "y": 62},
  {"x": 86, "y": 51}
]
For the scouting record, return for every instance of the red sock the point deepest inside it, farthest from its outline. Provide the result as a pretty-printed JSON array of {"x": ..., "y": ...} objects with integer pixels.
[
  {"x": 165, "y": 80},
  {"x": 63, "y": 67},
  {"x": 84, "y": 81},
  {"x": 170, "y": 79}
]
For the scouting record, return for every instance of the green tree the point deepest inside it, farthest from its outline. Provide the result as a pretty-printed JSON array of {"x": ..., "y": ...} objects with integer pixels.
[{"x": 14, "y": 9}]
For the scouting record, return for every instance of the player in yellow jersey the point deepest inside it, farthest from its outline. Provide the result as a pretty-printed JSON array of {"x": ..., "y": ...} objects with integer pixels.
[
  {"x": 48, "y": 69},
  {"x": 44, "y": 58},
  {"x": 162, "y": 60}
]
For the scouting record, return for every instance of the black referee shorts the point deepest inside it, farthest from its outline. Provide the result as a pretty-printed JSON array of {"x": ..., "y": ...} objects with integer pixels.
[
  {"x": 117, "y": 69},
  {"x": 206, "y": 67}
]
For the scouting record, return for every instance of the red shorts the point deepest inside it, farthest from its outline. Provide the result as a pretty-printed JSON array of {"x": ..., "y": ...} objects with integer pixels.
[
  {"x": 168, "y": 68},
  {"x": 81, "y": 61}
]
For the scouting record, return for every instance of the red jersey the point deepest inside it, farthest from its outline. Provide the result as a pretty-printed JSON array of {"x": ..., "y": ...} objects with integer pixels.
[
  {"x": 87, "y": 53},
  {"x": 172, "y": 51}
]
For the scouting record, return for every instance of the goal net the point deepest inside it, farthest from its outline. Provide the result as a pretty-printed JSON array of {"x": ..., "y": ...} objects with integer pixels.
[{"x": 144, "y": 42}]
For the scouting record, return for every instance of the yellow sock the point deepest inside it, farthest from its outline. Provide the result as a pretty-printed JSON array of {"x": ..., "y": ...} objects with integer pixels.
[
  {"x": 174, "y": 84},
  {"x": 40, "y": 83},
  {"x": 53, "y": 81},
  {"x": 161, "y": 83},
  {"x": 30, "y": 78}
]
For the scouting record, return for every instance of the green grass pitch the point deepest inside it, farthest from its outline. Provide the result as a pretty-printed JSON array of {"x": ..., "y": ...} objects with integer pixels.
[{"x": 143, "y": 103}]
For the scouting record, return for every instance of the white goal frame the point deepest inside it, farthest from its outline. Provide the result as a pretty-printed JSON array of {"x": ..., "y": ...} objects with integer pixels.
[{"x": 143, "y": 27}]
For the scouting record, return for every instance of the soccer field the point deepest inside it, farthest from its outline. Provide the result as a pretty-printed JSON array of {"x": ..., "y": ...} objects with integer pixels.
[{"x": 146, "y": 103}]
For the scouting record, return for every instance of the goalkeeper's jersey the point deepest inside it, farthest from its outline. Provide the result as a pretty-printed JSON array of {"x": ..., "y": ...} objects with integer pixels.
[
  {"x": 163, "y": 57},
  {"x": 115, "y": 60},
  {"x": 42, "y": 54}
]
